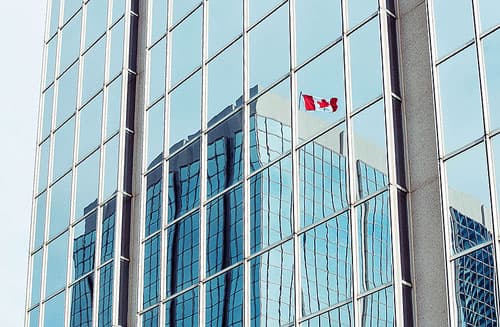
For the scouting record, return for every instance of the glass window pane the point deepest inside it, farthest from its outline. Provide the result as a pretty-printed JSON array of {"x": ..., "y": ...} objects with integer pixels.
[
  {"x": 272, "y": 299},
  {"x": 224, "y": 231},
  {"x": 48, "y": 105},
  {"x": 108, "y": 231},
  {"x": 185, "y": 111},
  {"x": 70, "y": 46},
  {"x": 41, "y": 213},
  {"x": 182, "y": 310},
  {"x": 51, "y": 57},
  {"x": 153, "y": 219},
  {"x": 116, "y": 50},
  {"x": 339, "y": 317},
  {"x": 90, "y": 127},
  {"x": 36, "y": 277},
  {"x": 491, "y": 46},
  {"x": 96, "y": 20},
  {"x": 60, "y": 201},
  {"x": 158, "y": 23},
  {"x": 105, "y": 312},
  {"x": 54, "y": 311},
  {"x": 316, "y": 80},
  {"x": 322, "y": 176},
  {"x": 224, "y": 299},
  {"x": 454, "y": 25},
  {"x": 43, "y": 165},
  {"x": 360, "y": 10},
  {"x": 157, "y": 62},
  {"x": 469, "y": 199},
  {"x": 118, "y": 9},
  {"x": 81, "y": 302},
  {"x": 67, "y": 91},
  {"x": 156, "y": 123},
  {"x": 370, "y": 150},
  {"x": 151, "y": 318},
  {"x": 183, "y": 253},
  {"x": 84, "y": 235},
  {"x": 378, "y": 308},
  {"x": 151, "y": 291},
  {"x": 113, "y": 106},
  {"x": 375, "y": 242},
  {"x": 270, "y": 57},
  {"x": 225, "y": 86},
  {"x": 87, "y": 185},
  {"x": 270, "y": 125},
  {"x": 111, "y": 157},
  {"x": 70, "y": 7},
  {"x": 366, "y": 71},
  {"x": 224, "y": 23},
  {"x": 313, "y": 19},
  {"x": 459, "y": 76},
  {"x": 490, "y": 14},
  {"x": 54, "y": 16},
  {"x": 181, "y": 7},
  {"x": 186, "y": 46},
  {"x": 258, "y": 9},
  {"x": 271, "y": 205},
  {"x": 93, "y": 70},
  {"x": 57, "y": 259},
  {"x": 326, "y": 265},
  {"x": 34, "y": 317}
]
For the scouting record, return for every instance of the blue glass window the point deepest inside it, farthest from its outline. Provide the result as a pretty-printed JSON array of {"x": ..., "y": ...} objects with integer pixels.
[
  {"x": 153, "y": 201},
  {"x": 151, "y": 271},
  {"x": 182, "y": 310},
  {"x": 104, "y": 315}
]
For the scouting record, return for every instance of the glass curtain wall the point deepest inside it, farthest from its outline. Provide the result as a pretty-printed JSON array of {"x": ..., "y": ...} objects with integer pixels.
[
  {"x": 273, "y": 188},
  {"x": 79, "y": 243},
  {"x": 466, "y": 66}
]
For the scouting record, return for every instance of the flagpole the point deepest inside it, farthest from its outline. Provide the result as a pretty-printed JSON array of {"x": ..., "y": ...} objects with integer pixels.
[{"x": 300, "y": 97}]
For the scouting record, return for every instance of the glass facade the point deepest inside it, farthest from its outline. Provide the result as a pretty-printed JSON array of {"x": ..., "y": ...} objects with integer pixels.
[{"x": 465, "y": 47}]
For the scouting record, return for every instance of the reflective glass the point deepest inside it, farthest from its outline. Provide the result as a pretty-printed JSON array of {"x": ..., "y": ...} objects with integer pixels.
[
  {"x": 224, "y": 240},
  {"x": 41, "y": 206},
  {"x": 118, "y": 9},
  {"x": 67, "y": 91},
  {"x": 57, "y": 259},
  {"x": 185, "y": 112},
  {"x": 225, "y": 82},
  {"x": 272, "y": 295},
  {"x": 70, "y": 7},
  {"x": 322, "y": 176},
  {"x": 182, "y": 310},
  {"x": 158, "y": 24},
  {"x": 183, "y": 253},
  {"x": 459, "y": 76},
  {"x": 184, "y": 181},
  {"x": 153, "y": 219},
  {"x": 378, "y": 309},
  {"x": 90, "y": 127},
  {"x": 454, "y": 24},
  {"x": 36, "y": 277},
  {"x": 181, "y": 7},
  {"x": 108, "y": 231},
  {"x": 366, "y": 70},
  {"x": 258, "y": 9},
  {"x": 224, "y": 23},
  {"x": 186, "y": 46},
  {"x": 271, "y": 204},
  {"x": 370, "y": 150},
  {"x": 87, "y": 185},
  {"x": 490, "y": 14},
  {"x": 111, "y": 156},
  {"x": 96, "y": 20},
  {"x": 51, "y": 57},
  {"x": 375, "y": 242},
  {"x": 326, "y": 265},
  {"x": 93, "y": 69},
  {"x": 114, "y": 102},
  {"x": 81, "y": 294},
  {"x": 105, "y": 308},
  {"x": 270, "y": 57},
  {"x": 157, "y": 61},
  {"x": 323, "y": 78},
  {"x": 151, "y": 318},
  {"x": 116, "y": 50},
  {"x": 491, "y": 46},
  {"x": 60, "y": 200},
  {"x": 339, "y": 317},
  {"x": 224, "y": 299},
  {"x": 70, "y": 46},
  {"x": 151, "y": 290},
  {"x": 270, "y": 125},
  {"x": 359, "y": 10},
  {"x": 34, "y": 317},
  {"x": 156, "y": 123},
  {"x": 54, "y": 16},
  {"x": 48, "y": 105},
  {"x": 475, "y": 288},
  {"x": 43, "y": 165},
  {"x": 469, "y": 206},
  {"x": 224, "y": 154},
  {"x": 320, "y": 19},
  {"x": 84, "y": 236},
  {"x": 54, "y": 311}
]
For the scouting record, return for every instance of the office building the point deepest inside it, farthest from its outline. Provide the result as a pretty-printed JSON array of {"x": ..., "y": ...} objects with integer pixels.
[{"x": 267, "y": 163}]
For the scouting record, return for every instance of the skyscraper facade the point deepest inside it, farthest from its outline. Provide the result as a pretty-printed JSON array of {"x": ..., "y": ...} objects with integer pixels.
[{"x": 277, "y": 163}]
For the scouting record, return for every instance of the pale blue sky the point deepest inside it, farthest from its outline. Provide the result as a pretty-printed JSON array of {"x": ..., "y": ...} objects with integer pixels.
[{"x": 21, "y": 39}]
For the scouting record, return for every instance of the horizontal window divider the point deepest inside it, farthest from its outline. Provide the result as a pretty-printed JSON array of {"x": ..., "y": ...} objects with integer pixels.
[
  {"x": 365, "y": 106},
  {"x": 371, "y": 196},
  {"x": 112, "y": 79},
  {"x": 324, "y": 131},
  {"x": 462, "y": 149},
  {"x": 181, "y": 81},
  {"x": 155, "y": 102},
  {"x": 223, "y": 119},
  {"x": 272, "y": 11},
  {"x": 319, "y": 53},
  {"x": 326, "y": 310},
  {"x": 149, "y": 308},
  {"x": 223, "y": 192},
  {"x": 59, "y": 291},
  {"x": 227, "y": 46},
  {"x": 269, "y": 248},
  {"x": 180, "y": 218},
  {"x": 177, "y": 151},
  {"x": 184, "y": 291},
  {"x": 150, "y": 236},
  {"x": 149, "y": 47},
  {"x": 489, "y": 32},
  {"x": 87, "y": 274},
  {"x": 406, "y": 283},
  {"x": 400, "y": 188},
  {"x": 470, "y": 250},
  {"x": 361, "y": 24},
  {"x": 396, "y": 96},
  {"x": 268, "y": 88},
  {"x": 222, "y": 272},
  {"x": 323, "y": 220},
  {"x": 150, "y": 170},
  {"x": 269, "y": 164},
  {"x": 454, "y": 52},
  {"x": 374, "y": 290}
]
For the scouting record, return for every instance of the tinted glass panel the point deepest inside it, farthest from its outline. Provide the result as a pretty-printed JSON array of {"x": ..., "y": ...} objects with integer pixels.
[
  {"x": 70, "y": 48},
  {"x": 93, "y": 70},
  {"x": 108, "y": 231},
  {"x": 490, "y": 13},
  {"x": 182, "y": 310},
  {"x": 491, "y": 46},
  {"x": 156, "y": 122},
  {"x": 104, "y": 314},
  {"x": 110, "y": 167},
  {"x": 60, "y": 201},
  {"x": 116, "y": 50},
  {"x": 224, "y": 23},
  {"x": 66, "y": 94},
  {"x": 96, "y": 20},
  {"x": 158, "y": 25},
  {"x": 181, "y": 7},
  {"x": 63, "y": 149},
  {"x": 81, "y": 302},
  {"x": 43, "y": 165},
  {"x": 84, "y": 235},
  {"x": 51, "y": 57},
  {"x": 53, "y": 313},
  {"x": 41, "y": 206},
  {"x": 153, "y": 201},
  {"x": 151, "y": 318},
  {"x": 87, "y": 185},
  {"x": 157, "y": 61},
  {"x": 151, "y": 291},
  {"x": 34, "y": 317},
  {"x": 340, "y": 317},
  {"x": 378, "y": 309},
  {"x": 359, "y": 10},
  {"x": 114, "y": 102},
  {"x": 57, "y": 259},
  {"x": 259, "y": 8},
  {"x": 54, "y": 16},
  {"x": 36, "y": 277},
  {"x": 90, "y": 127},
  {"x": 48, "y": 105}
]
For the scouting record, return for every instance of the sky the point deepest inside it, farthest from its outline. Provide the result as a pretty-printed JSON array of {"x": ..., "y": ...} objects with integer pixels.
[{"x": 21, "y": 40}]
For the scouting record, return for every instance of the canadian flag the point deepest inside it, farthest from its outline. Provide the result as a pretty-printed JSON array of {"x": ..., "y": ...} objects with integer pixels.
[{"x": 312, "y": 103}]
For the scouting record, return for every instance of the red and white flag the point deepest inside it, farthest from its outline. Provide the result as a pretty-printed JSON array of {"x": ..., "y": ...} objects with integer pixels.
[{"x": 312, "y": 103}]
